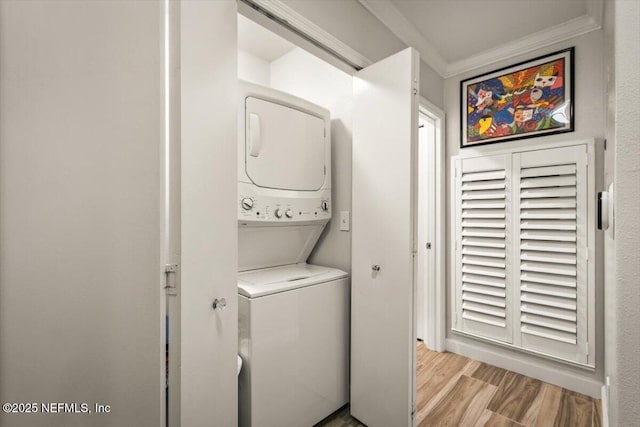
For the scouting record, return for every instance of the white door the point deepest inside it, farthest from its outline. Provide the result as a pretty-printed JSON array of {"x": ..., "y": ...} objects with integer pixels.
[
  {"x": 385, "y": 125},
  {"x": 209, "y": 338}
]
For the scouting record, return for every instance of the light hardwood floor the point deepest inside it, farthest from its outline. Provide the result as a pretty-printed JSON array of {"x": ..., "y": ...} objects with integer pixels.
[{"x": 453, "y": 390}]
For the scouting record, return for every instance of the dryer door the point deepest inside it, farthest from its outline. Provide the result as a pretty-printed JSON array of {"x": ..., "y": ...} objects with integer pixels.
[{"x": 284, "y": 147}]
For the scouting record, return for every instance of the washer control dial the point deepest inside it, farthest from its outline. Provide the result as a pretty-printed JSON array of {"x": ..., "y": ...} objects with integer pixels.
[
  {"x": 289, "y": 213},
  {"x": 278, "y": 213},
  {"x": 247, "y": 203},
  {"x": 324, "y": 205}
]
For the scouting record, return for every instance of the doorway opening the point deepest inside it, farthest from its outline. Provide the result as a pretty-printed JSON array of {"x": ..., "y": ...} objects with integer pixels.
[{"x": 430, "y": 295}]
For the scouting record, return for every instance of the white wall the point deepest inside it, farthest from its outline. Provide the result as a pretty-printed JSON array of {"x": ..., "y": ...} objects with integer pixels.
[
  {"x": 622, "y": 25},
  {"x": 354, "y": 25},
  {"x": 351, "y": 23},
  {"x": 308, "y": 77},
  {"x": 589, "y": 111},
  {"x": 80, "y": 155},
  {"x": 253, "y": 69}
]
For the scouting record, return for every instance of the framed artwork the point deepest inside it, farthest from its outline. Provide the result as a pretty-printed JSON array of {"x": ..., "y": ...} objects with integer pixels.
[{"x": 525, "y": 100}]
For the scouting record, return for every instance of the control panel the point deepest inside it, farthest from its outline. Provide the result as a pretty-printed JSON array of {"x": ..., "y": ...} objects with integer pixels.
[{"x": 256, "y": 207}]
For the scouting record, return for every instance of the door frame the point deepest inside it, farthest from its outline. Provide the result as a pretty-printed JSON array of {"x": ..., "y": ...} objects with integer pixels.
[{"x": 434, "y": 304}]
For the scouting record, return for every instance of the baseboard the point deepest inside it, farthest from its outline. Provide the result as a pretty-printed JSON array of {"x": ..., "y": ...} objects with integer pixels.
[
  {"x": 528, "y": 365},
  {"x": 605, "y": 405}
]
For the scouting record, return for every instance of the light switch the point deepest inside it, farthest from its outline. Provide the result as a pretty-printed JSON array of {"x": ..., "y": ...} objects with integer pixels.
[{"x": 344, "y": 221}]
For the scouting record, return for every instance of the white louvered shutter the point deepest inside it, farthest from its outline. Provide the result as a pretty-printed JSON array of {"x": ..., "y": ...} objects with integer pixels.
[
  {"x": 483, "y": 224},
  {"x": 550, "y": 251}
]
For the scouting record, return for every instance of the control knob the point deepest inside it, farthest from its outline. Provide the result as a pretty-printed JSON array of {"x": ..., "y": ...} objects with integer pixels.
[
  {"x": 289, "y": 213},
  {"x": 247, "y": 203},
  {"x": 324, "y": 205},
  {"x": 278, "y": 213}
]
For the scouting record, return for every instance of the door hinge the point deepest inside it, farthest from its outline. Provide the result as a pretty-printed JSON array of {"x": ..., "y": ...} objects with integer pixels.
[{"x": 170, "y": 270}]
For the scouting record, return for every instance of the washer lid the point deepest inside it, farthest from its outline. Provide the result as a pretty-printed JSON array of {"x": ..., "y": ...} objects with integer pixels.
[{"x": 267, "y": 281}]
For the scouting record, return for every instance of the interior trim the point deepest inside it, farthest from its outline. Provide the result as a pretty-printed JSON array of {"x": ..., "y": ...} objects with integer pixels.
[
  {"x": 390, "y": 16},
  {"x": 279, "y": 12}
]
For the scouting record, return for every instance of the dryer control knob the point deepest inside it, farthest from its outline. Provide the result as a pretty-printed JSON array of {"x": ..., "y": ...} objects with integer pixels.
[
  {"x": 289, "y": 213},
  {"x": 324, "y": 205},
  {"x": 278, "y": 213},
  {"x": 247, "y": 203}
]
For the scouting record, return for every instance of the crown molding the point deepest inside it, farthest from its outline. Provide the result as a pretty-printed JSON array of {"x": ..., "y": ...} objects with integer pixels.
[
  {"x": 558, "y": 33},
  {"x": 391, "y": 17},
  {"x": 310, "y": 30}
]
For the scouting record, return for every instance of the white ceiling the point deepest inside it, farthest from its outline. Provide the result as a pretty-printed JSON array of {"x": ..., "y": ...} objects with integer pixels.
[
  {"x": 454, "y": 36},
  {"x": 461, "y": 28},
  {"x": 260, "y": 42}
]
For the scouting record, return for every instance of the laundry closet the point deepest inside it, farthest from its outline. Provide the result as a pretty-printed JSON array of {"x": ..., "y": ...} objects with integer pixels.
[{"x": 301, "y": 322}]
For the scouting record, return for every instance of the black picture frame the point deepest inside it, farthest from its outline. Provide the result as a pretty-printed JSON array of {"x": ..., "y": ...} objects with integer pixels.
[{"x": 529, "y": 99}]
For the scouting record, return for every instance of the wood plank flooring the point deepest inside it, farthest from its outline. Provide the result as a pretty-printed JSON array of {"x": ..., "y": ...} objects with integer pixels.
[{"x": 453, "y": 390}]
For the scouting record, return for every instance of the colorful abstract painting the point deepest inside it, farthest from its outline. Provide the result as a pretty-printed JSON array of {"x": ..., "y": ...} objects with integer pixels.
[{"x": 522, "y": 101}]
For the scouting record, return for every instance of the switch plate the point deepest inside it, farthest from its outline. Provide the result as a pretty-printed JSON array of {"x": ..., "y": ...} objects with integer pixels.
[{"x": 344, "y": 221}]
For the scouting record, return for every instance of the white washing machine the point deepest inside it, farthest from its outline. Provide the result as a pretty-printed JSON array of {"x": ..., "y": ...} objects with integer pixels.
[
  {"x": 293, "y": 337},
  {"x": 293, "y": 316}
]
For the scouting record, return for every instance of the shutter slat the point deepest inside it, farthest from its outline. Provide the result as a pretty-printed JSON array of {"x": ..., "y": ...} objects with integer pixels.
[
  {"x": 483, "y": 185},
  {"x": 483, "y": 195},
  {"x": 549, "y": 301},
  {"x": 483, "y": 176},
  {"x": 548, "y": 203},
  {"x": 548, "y": 171},
  {"x": 556, "y": 224},
  {"x": 529, "y": 288},
  {"x": 547, "y": 279},
  {"x": 484, "y": 309},
  {"x": 484, "y": 271},
  {"x": 483, "y": 204},
  {"x": 548, "y": 257},
  {"x": 483, "y": 223},
  {"x": 493, "y": 253},
  {"x": 548, "y": 181},
  {"x": 541, "y": 193},
  {"x": 552, "y": 235},
  {"x": 485, "y": 213},
  {"x": 483, "y": 243},
  {"x": 484, "y": 299},
  {"x": 548, "y": 214},
  {"x": 487, "y": 262},
  {"x": 549, "y": 323},
  {"x": 483, "y": 280},
  {"x": 546, "y": 246},
  {"x": 549, "y": 268},
  {"x": 484, "y": 290},
  {"x": 546, "y": 333},
  {"x": 483, "y": 232},
  {"x": 555, "y": 313},
  {"x": 489, "y": 320}
]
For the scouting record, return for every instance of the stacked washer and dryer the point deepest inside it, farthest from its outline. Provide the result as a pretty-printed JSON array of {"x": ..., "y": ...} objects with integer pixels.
[{"x": 293, "y": 316}]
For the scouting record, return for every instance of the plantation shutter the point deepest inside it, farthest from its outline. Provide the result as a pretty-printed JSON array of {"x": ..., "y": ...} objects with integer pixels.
[
  {"x": 524, "y": 251},
  {"x": 482, "y": 247},
  {"x": 550, "y": 241}
]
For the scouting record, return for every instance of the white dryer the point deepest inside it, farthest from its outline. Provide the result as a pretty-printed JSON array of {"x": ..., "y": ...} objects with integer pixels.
[{"x": 293, "y": 317}]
